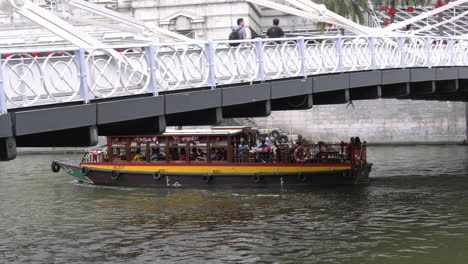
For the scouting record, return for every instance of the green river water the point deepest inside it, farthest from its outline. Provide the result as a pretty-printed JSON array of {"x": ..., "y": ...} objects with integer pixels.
[{"x": 415, "y": 210}]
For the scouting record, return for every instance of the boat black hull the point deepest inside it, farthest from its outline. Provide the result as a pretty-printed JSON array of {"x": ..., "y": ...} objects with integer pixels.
[{"x": 196, "y": 180}]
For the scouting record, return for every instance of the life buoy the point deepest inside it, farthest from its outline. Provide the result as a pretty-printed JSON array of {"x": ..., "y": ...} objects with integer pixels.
[
  {"x": 305, "y": 154},
  {"x": 283, "y": 139},
  {"x": 55, "y": 167},
  {"x": 257, "y": 178},
  {"x": 157, "y": 175},
  {"x": 85, "y": 171},
  {"x": 115, "y": 175},
  {"x": 207, "y": 178},
  {"x": 275, "y": 134}
]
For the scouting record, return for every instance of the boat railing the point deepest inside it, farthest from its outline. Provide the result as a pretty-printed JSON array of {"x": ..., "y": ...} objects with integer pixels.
[
  {"x": 293, "y": 154},
  {"x": 95, "y": 156},
  {"x": 354, "y": 154}
]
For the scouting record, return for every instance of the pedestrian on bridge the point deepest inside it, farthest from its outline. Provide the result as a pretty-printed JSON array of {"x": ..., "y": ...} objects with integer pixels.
[
  {"x": 239, "y": 31},
  {"x": 275, "y": 31}
]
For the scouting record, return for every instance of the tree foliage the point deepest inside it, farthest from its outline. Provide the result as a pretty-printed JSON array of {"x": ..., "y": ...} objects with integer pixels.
[{"x": 352, "y": 9}]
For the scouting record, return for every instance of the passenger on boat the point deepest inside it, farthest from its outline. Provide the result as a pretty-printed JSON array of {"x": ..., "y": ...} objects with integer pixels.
[
  {"x": 349, "y": 147},
  {"x": 269, "y": 141},
  {"x": 263, "y": 151},
  {"x": 194, "y": 154},
  {"x": 243, "y": 149},
  {"x": 220, "y": 154},
  {"x": 213, "y": 154},
  {"x": 138, "y": 155},
  {"x": 182, "y": 155},
  {"x": 174, "y": 154},
  {"x": 156, "y": 154},
  {"x": 357, "y": 142},
  {"x": 201, "y": 155}
]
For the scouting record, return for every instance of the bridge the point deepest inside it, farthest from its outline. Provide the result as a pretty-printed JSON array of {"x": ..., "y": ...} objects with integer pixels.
[{"x": 68, "y": 96}]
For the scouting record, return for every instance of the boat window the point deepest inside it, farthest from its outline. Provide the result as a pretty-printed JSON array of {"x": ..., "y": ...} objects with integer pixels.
[
  {"x": 219, "y": 141},
  {"x": 137, "y": 151},
  {"x": 157, "y": 149},
  {"x": 198, "y": 149}
]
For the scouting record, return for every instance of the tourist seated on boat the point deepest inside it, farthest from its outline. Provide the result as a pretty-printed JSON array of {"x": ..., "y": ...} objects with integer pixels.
[
  {"x": 213, "y": 154},
  {"x": 194, "y": 154},
  {"x": 182, "y": 154},
  {"x": 174, "y": 154},
  {"x": 201, "y": 155},
  {"x": 220, "y": 154},
  {"x": 138, "y": 155},
  {"x": 156, "y": 154}
]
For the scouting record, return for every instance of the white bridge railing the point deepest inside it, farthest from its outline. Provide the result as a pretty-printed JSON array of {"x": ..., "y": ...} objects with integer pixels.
[{"x": 58, "y": 75}]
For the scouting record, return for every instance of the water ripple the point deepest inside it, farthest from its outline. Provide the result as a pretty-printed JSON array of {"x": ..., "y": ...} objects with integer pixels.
[{"x": 414, "y": 211}]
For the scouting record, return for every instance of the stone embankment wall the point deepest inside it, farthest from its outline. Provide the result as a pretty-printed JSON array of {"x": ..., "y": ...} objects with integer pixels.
[{"x": 386, "y": 121}]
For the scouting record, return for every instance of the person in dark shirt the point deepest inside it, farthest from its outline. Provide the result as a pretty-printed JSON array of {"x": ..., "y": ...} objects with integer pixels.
[{"x": 275, "y": 31}]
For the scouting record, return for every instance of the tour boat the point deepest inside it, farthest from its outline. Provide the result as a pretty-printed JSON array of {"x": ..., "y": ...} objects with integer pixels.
[{"x": 218, "y": 156}]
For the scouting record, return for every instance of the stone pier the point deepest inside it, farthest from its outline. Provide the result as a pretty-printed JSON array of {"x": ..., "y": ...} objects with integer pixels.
[{"x": 386, "y": 121}]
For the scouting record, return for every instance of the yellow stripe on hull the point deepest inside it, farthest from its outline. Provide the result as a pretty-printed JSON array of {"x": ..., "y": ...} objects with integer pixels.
[{"x": 219, "y": 169}]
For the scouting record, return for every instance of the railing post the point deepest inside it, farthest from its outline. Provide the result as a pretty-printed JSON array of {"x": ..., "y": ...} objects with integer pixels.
[
  {"x": 401, "y": 47},
  {"x": 339, "y": 50},
  {"x": 302, "y": 52},
  {"x": 153, "y": 83},
  {"x": 210, "y": 53},
  {"x": 3, "y": 106},
  {"x": 452, "y": 52},
  {"x": 373, "y": 64},
  {"x": 80, "y": 55},
  {"x": 261, "y": 67},
  {"x": 428, "y": 51}
]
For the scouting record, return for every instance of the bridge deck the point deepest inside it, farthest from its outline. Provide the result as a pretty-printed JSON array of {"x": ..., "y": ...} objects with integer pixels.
[{"x": 66, "y": 97}]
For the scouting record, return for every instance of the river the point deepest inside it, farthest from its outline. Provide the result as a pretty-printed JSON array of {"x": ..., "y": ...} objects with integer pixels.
[{"x": 415, "y": 210}]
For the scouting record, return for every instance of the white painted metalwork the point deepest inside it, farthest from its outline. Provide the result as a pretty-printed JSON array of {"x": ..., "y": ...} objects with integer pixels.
[{"x": 41, "y": 76}]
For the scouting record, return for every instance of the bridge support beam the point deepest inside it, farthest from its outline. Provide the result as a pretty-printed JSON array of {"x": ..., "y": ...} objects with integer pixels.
[
  {"x": 143, "y": 126},
  {"x": 257, "y": 109},
  {"x": 333, "y": 97},
  {"x": 448, "y": 86},
  {"x": 365, "y": 93},
  {"x": 395, "y": 90},
  {"x": 212, "y": 116},
  {"x": 134, "y": 116},
  {"x": 75, "y": 137},
  {"x": 422, "y": 88},
  {"x": 300, "y": 102}
]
